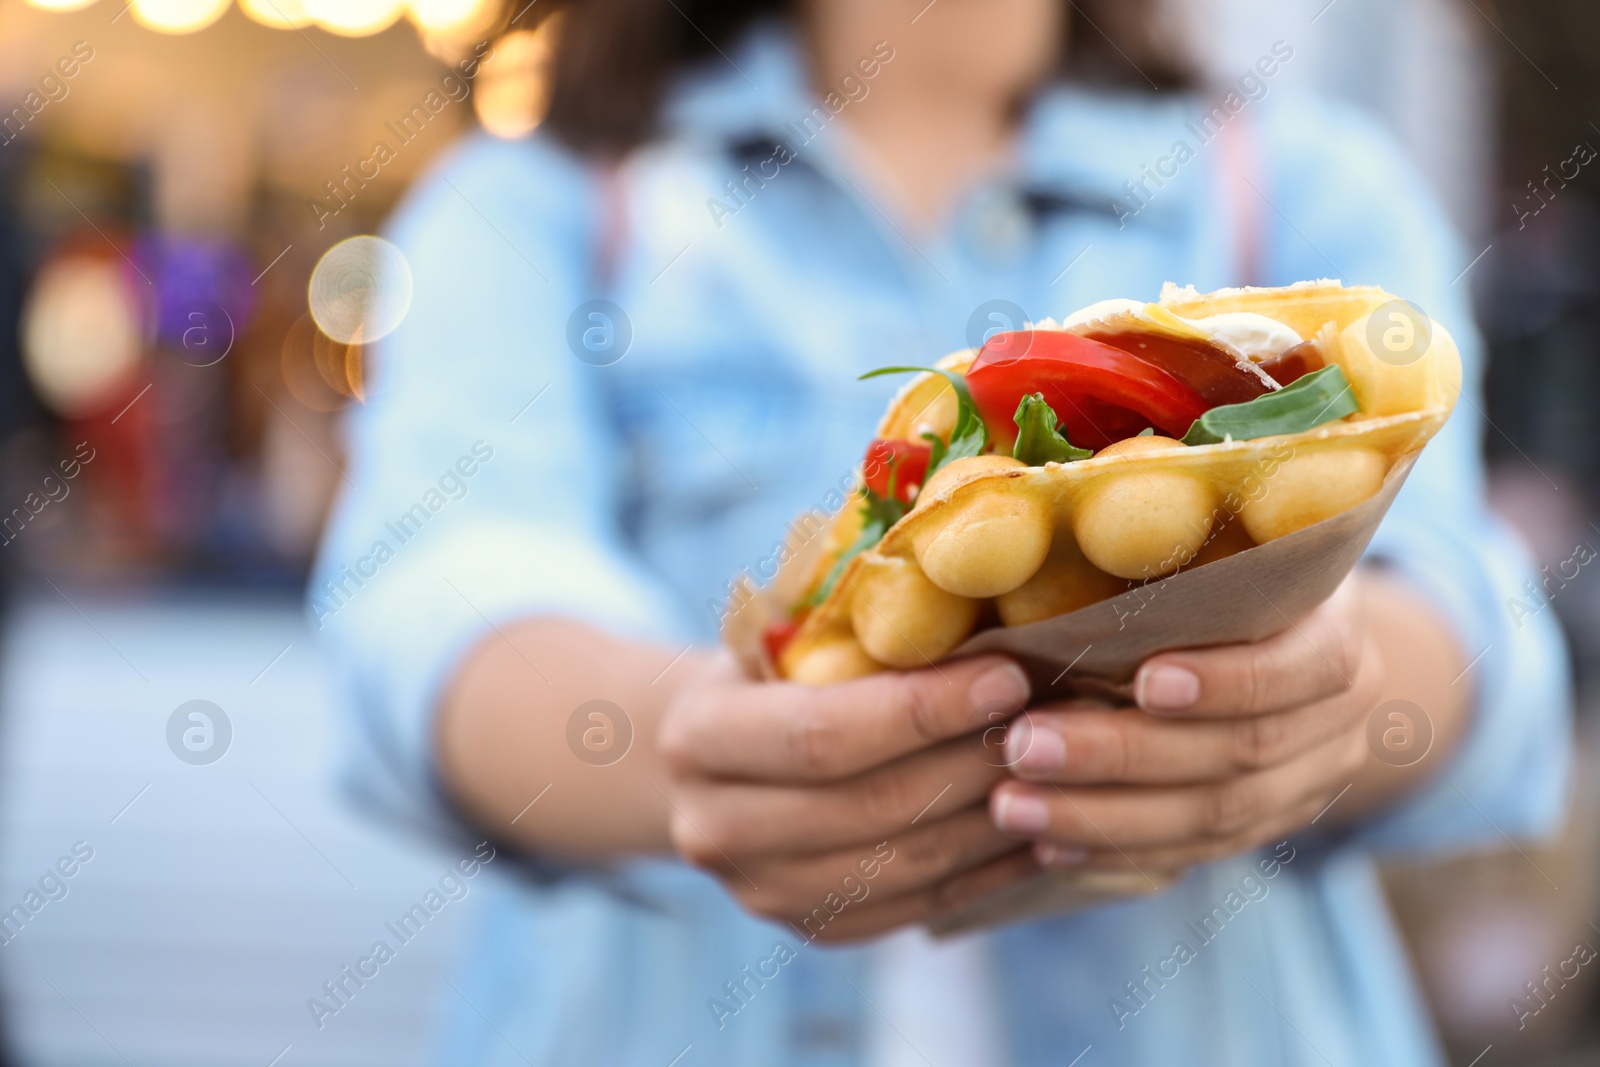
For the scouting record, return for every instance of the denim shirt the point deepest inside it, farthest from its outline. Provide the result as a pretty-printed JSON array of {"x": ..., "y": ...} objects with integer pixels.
[{"x": 621, "y": 469}]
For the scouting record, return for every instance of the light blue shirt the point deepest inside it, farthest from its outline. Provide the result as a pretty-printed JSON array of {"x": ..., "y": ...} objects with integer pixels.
[{"x": 628, "y": 495}]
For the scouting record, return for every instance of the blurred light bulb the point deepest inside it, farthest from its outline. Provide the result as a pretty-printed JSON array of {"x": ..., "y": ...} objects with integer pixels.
[
  {"x": 513, "y": 88},
  {"x": 355, "y": 18},
  {"x": 177, "y": 16},
  {"x": 443, "y": 16},
  {"x": 59, "y": 5},
  {"x": 80, "y": 333},
  {"x": 360, "y": 290},
  {"x": 278, "y": 14}
]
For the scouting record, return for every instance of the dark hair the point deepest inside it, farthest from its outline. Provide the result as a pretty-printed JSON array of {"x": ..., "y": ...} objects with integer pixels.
[{"x": 615, "y": 57}]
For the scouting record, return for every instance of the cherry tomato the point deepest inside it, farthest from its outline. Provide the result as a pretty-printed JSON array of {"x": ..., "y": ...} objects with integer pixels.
[
  {"x": 777, "y": 636},
  {"x": 906, "y": 459}
]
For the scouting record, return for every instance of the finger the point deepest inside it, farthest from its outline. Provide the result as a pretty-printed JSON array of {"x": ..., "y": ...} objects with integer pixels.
[
  {"x": 947, "y": 898},
  {"x": 716, "y": 822},
  {"x": 789, "y": 732},
  {"x": 1124, "y": 817},
  {"x": 1162, "y": 862},
  {"x": 909, "y": 863},
  {"x": 1315, "y": 658},
  {"x": 1109, "y": 746}
]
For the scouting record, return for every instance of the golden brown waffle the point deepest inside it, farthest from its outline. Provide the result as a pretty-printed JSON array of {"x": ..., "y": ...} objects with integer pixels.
[{"x": 991, "y": 542}]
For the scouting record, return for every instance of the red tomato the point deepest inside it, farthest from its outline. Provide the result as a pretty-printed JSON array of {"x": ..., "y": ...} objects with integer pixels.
[
  {"x": 1206, "y": 368},
  {"x": 1101, "y": 394},
  {"x": 777, "y": 637},
  {"x": 907, "y": 459}
]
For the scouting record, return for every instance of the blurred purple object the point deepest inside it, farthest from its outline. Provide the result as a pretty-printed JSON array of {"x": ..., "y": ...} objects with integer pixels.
[{"x": 196, "y": 275}]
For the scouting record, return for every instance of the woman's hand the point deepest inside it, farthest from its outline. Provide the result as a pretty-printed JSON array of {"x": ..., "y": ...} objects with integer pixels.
[
  {"x": 1230, "y": 748},
  {"x": 844, "y": 810}
]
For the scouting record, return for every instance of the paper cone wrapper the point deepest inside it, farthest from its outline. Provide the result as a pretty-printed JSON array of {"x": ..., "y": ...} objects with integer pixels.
[{"x": 1095, "y": 651}]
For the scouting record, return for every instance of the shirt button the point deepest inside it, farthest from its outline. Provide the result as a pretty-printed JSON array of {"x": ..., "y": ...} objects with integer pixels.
[
  {"x": 1000, "y": 225},
  {"x": 813, "y": 1034}
]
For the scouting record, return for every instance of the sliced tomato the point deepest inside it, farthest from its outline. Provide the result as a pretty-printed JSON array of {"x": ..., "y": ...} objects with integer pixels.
[
  {"x": 1208, "y": 369},
  {"x": 906, "y": 460},
  {"x": 1101, "y": 394},
  {"x": 777, "y": 636}
]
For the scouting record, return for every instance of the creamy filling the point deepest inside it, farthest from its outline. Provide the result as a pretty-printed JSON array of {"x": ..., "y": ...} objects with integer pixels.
[{"x": 1248, "y": 335}]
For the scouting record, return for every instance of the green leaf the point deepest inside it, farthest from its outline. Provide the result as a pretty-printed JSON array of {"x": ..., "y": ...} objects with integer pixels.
[
  {"x": 878, "y": 513},
  {"x": 936, "y": 451},
  {"x": 1038, "y": 439},
  {"x": 969, "y": 437},
  {"x": 971, "y": 444},
  {"x": 1319, "y": 397}
]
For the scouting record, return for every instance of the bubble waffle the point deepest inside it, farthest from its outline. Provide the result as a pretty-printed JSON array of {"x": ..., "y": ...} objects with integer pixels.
[{"x": 992, "y": 540}]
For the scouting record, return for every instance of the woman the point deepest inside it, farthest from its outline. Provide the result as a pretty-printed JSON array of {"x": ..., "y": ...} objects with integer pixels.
[{"x": 631, "y": 358}]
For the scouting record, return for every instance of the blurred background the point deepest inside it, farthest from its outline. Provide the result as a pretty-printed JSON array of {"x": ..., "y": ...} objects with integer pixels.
[{"x": 171, "y": 173}]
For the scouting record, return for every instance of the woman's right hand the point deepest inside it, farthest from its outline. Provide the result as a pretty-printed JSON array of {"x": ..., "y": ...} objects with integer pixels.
[{"x": 845, "y": 810}]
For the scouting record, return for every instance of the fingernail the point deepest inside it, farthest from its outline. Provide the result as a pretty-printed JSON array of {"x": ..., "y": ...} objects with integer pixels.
[
  {"x": 1165, "y": 687},
  {"x": 1019, "y": 813},
  {"x": 1032, "y": 750},
  {"x": 1059, "y": 855},
  {"x": 1003, "y": 689}
]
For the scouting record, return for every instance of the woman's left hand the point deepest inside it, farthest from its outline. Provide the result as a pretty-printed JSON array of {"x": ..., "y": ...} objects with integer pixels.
[{"x": 1229, "y": 748}]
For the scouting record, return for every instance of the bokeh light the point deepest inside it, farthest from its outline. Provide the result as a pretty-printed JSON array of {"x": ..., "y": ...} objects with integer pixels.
[
  {"x": 177, "y": 16},
  {"x": 302, "y": 360},
  {"x": 339, "y": 364},
  {"x": 360, "y": 290},
  {"x": 278, "y": 14},
  {"x": 80, "y": 333},
  {"x": 452, "y": 23},
  {"x": 59, "y": 5},
  {"x": 450, "y": 16},
  {"x": 513, "y": 88},
  {"x": 355, "y": 18}
]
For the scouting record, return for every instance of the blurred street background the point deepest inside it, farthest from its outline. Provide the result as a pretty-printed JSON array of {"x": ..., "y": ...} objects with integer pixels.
[{"x": 171, "y": 171}]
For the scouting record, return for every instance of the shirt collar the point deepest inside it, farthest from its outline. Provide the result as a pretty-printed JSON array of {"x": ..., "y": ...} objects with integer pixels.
[
  {"x": 1078, "y": 144},
  {"x": 748, "y": 92},
  {"x": 1093, "y": 144}
]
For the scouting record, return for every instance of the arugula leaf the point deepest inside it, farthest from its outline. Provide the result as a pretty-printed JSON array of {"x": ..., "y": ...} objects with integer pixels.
[
  {"x": 936, "y": 451},
  {"x": 1319, "y": 397},
  {"x": 878, "y": 513},
  {"x": 969, "y": 437},
  {"x": 1038, "y": 439}
]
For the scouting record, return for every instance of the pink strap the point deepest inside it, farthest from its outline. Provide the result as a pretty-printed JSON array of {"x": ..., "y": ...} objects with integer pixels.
[
  {"x": 1242, "y": 178},
  {"x": 613, "y": 227}
]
